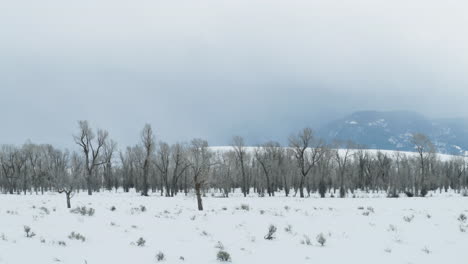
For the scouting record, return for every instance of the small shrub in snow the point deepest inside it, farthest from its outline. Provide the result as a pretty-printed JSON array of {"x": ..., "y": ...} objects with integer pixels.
[
  {"x": 287, "y": 208},
  {"x": 408, "y": 218},
  {"x": 181, "y": 258},
  {"x": 306, "y": 241},
  {"x": 28, "y": 232},
  {"x": 62, "y": 243},
  {"x": 424, "y": 192},
  {"x": 45, "y": 210},
  {"x": 83, "y": 211},
  {"x": 360, "y": 208},
  {"x": 321, "y": 239},
  {"x": 160, "y": 257},
  {"x": 370, "y": 209},
  {"x": 113, "y": 208},
  {"x": 245, "y": 207},
  {"x": 223, "y": 256},
  {"x": 42, "y": 240},
  {"x": 366, "y": 213},
  {"x": 271, "y": 232},
  {"x": 462, "y": 228},
  {"x": 224, "y": 208},
  {"x": 262, "y": 212},
  {"x": 462, "y": 218},
  {"x": 464, "y": 193},
  {"x": 392, "y": 228},
  {"x": 141, "y": 242},
  {"x": 426, "y": 250},
  {"x": 3, "y": 237},
  {"x": 388, "y": 250},
  {"x": 140, "y": 209},
  {"x": 219, "y": 245},
  {"x": 288, "y": 229},
  {"x": 77, "y": 236}
]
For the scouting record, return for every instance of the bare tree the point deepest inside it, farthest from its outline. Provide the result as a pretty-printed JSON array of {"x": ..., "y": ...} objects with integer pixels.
[
  {"x": 227, "y": 161},
  {"x": 342, "y": 158},
  {"x": 239, "y": 148},
  {"x": 109, "y": 149},
  {"x": 425, "y": 150},
  {"x": 384, "y": 164},
  {"x": 91, "y": 147},
  {"x": 128, "y": 169},
  {"x": 66, "y": 178},
  {"x": 200, "y": 162},
  {"x": 306, "y": 158},
  {"x": 180, "y": 165},
  {"x": 325, "y": 167},
  {"x": 268, "y": 156},
  {"x": 7, "y": 160},
  {"x": 162, "y": 164},
  {"x": 147, "y": 139},
  {"x": 36, "y": 159},
  {"x": 70, "y": 180}
]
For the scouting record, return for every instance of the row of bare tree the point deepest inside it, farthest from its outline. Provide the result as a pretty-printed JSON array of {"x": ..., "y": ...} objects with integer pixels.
[{"x": 307, "y": 166}]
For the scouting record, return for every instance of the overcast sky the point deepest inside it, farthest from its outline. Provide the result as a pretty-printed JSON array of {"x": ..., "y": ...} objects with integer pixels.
[{"x": 214, "y": 68}]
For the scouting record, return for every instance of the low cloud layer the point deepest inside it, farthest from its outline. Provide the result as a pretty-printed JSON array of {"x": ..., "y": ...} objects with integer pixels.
[{"x": 216, "y": 68}]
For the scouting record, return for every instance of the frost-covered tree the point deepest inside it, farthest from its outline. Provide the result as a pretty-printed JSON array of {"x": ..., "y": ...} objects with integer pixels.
[
  {"x": 91, "y": 147},
  {"x": 307, "y": 151},
  {"x": 425, "y": 150},
  {"x": 242, "y": 156},
  {"x": 147, "y": 139},
  {"x": 200, "y": 163}
]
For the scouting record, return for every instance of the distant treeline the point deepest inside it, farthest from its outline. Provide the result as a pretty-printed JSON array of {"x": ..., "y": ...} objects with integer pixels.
[{"x": 304, "y": 167}]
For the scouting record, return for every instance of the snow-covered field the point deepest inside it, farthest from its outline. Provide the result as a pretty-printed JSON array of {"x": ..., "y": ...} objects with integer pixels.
[{"x": 359, "y": 230}]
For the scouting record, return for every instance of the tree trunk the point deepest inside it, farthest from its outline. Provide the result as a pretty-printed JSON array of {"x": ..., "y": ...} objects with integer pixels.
[
  {"x": 68, "y": 200},
  {"x": 88, "y": 183},
  {"x": 301, "y": 187},
  {"x": 144, "y": 191},
  {"x": 199, "y": 197}
]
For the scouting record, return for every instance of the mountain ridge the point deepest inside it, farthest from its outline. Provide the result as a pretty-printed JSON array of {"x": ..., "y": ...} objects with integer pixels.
[{"x": 393, "y": 130}]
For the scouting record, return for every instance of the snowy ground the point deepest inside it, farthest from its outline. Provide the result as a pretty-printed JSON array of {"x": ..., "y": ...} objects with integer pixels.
[{"x": 359, "y": 230}]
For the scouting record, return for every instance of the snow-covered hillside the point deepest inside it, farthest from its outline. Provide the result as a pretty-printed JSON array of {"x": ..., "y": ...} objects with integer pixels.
[
  {"x": 361, "y": 230},
  {"x": 393, "y": 130}
]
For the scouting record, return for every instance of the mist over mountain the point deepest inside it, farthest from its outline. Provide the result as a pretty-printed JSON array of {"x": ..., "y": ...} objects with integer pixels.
[{"x": 393, "y": 130}]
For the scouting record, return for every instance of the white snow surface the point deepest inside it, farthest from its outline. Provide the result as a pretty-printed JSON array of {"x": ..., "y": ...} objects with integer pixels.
[
  {"x": 391, "y": 153},
  {"x": 358, "y": 230},
  {"x": 351, "y": 122}
]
